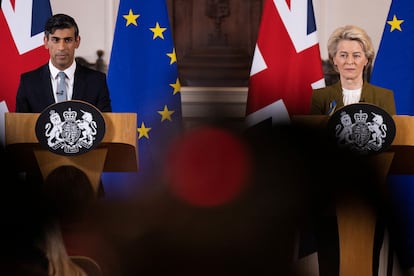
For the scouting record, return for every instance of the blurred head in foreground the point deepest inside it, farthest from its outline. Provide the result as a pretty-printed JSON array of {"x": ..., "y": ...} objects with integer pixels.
[{"x": 234, "y": 201}]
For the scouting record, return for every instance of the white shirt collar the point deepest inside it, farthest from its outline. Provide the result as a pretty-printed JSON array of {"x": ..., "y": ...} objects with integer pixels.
[
  {"x": 70, "y": 71},
  {"x": 351, "y": 96}
]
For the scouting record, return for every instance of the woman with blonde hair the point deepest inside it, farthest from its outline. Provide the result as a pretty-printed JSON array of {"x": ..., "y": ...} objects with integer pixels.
[{"x": 351, "y": 52}]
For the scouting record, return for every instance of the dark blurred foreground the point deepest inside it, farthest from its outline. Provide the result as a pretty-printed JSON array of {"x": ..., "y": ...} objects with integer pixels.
[{"x": 282, "y": 179}]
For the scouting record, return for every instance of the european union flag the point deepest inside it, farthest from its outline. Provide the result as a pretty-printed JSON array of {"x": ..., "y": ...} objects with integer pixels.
[
  {"x": 394, "y": 69},
  {"x": 143, "y": 78},
  {"x": 394, "y": 64}
]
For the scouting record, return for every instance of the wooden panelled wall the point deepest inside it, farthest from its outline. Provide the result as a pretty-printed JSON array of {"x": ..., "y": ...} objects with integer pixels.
[{"x": 214, "y": 40}]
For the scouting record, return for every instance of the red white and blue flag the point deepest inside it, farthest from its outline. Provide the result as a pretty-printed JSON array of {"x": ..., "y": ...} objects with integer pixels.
[
  {"x": 22, "y": 25},
  {"x": 286, "y": 64}
]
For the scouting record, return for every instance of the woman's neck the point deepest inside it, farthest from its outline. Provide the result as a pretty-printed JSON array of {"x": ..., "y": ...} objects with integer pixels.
[{"x": 352, "y": 84}]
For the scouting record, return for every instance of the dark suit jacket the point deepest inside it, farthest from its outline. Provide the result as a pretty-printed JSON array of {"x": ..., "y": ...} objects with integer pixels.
[
  {"x": 323, "y": 97},
  {"x": 35, "y": 91}
]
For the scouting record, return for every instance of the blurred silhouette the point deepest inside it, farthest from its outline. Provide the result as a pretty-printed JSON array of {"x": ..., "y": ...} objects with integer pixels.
[
  {"x": 224, "y": 202},
  {"x": 22, "y": 224},
  {"x": 292, "y": 175},
  {"x": 70, "y": 199},
  {"x": 69, "y": 193}
]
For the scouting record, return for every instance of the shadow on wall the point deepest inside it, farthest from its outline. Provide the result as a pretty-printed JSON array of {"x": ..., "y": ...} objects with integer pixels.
[{"x": 99, "y": 64}]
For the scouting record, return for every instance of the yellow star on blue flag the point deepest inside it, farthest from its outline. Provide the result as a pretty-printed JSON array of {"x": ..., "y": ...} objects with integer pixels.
[
  {"x": 143, "y": 78},
  {"x": 395, "y": 24},
  {"x": 394, "y": 62}
]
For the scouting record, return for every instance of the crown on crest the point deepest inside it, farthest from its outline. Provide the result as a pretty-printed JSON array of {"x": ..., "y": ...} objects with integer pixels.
[
  {"x": 70, "y": 115},
  {"x": 360, "y": 117}
]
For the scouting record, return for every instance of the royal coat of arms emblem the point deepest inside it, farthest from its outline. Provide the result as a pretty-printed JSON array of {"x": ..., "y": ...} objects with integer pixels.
[
  {"x": 363, "y": 128},
  {"x": 70, "y": 128}
]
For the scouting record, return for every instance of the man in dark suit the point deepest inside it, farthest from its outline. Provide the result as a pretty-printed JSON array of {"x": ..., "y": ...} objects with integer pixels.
[{"x": 37, "y": 88}]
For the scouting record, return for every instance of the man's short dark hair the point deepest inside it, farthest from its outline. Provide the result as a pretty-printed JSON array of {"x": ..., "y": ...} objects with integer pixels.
[{"x": 60, "y": 21}]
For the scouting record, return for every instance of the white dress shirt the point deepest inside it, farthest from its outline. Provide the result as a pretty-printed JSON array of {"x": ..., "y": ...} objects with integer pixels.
[{"x": 70, "y": 76}]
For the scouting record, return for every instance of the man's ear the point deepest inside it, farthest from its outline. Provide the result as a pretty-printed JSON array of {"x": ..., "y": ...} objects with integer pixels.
[
  {"x": 45, "y": 40},
  {"x": 78, "y": 40}
]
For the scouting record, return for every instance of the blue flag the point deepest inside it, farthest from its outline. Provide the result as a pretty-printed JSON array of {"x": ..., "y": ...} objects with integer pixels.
[
  {"x": 143, "y": 78},
  {"x": 394, "y": 64},
  {"x": 394, "y": 69}
]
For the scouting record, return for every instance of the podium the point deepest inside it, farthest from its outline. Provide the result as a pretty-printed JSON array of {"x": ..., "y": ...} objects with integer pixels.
[
  {"x": 117, "y": 151},
  {"x": 356, "y": 221}
]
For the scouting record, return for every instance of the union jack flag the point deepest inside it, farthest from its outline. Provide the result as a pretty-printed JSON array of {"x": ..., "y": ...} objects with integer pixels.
[
  {"x": 21, "y": 49},
  {"x": 286, "y": 64}
]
